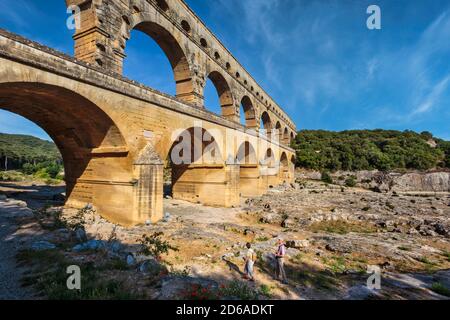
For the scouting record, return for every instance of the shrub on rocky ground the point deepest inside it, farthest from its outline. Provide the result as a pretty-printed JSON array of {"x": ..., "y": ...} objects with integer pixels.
[
  {"x": 326, "y": 177},
  {"x": 153, "y": 245},
  {"x": 440, "y": 289},
  {"x": 350, "y": 182},
  {"x": 240, "y": 290},
  {"x": 49, "y": 277}
]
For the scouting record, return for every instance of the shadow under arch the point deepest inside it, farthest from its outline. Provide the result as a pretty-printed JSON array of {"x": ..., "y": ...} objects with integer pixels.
[
  {"x": 246, "y": 154},
  {"x": 79, "y": 128},
  {"x": 278, "y": 132},
  {"x": 292, "y": 137},
  {"x": 249, "y": 113},
  {"x": 269, "y": 158},
  {"x": 284, "y": 167},
  {"x": 197, "y": 167},
  {"x": 286, "y": 136},
  {"x": 248, "y": 170},
  {"x": 272, "y": 168},
  {"x": 225, "y": 95},
  {"x": 266, "y": 123},
  {"x": 292, "y": 165},
  {"x": 171, "y": 47}
]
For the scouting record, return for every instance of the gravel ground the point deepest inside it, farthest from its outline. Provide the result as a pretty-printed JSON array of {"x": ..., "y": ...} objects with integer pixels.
[{"x": 10, "y": 288}]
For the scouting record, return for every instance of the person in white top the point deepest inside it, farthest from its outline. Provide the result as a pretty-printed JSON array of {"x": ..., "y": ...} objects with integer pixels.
[{"x": 250, "y": 258}]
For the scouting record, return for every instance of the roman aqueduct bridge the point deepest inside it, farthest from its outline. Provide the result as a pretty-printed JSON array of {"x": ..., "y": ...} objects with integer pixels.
[{"x": 116, "y": 135}]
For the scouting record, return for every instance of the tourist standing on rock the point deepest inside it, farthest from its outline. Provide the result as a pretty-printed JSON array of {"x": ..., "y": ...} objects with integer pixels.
[
  {"x": 279, "y": 257},
  {"x": 250, "y": 258}
]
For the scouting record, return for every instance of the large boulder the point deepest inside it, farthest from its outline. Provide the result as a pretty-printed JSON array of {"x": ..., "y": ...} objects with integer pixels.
[
  {"x": 270, "y": 218},
  {"x": 297, "y": 244},
  {"x": 288, "y": 223},
  {"x": 152, "y": 267}
]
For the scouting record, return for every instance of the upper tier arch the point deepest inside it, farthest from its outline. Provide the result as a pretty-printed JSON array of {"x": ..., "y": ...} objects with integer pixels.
[{"x": 192, "y": 48}]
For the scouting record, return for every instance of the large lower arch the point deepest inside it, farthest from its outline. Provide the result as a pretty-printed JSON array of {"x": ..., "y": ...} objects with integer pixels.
[
  {"x": 93, "y": 149},
  {"x": 173, "y": 50},
  {"x": 198, "y": 172},
  {"x": 225, "y": 95}
]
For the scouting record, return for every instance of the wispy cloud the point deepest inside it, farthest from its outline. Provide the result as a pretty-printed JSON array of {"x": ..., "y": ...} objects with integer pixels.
[
  {"x": 434, "y": 96},
  {"x": 18, "y": 12}
]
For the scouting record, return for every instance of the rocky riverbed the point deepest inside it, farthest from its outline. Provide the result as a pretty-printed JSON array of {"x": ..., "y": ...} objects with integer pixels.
[{"x": 335, "y": 235}]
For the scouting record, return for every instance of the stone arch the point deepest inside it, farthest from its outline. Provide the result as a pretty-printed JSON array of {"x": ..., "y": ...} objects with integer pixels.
[
  {"x": 195, "y": 146},
  {"x": 278, "y": 131},
  {"x": 162, "y": 4},
  {"x": 246, "y": 154},
  {"x": 224, "y": 93},
  {"x": 293, "y": 162},
  {"x": 86, "y": 136},
  {"x": 292, "y": 165},
  {"x": 292, "y": 136},
  {"x": 249, "y": 112},
  {"x": 284, "y": 167},
  {"x": 269, "y": 158},
  {"x": 248, "y": 170},
  {"x": 197, "y": 168},
  {"x": 286, "y": 136},
  {"x": 266, "y": 122},
  {"x": 170, "y": 44}
]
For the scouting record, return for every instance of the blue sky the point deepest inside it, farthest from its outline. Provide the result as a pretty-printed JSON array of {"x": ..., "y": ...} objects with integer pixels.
[{"x": 317, "y": 59}]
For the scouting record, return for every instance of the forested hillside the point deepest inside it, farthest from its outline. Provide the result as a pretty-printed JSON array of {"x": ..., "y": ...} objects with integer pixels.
[
  {"x": 17, "y": 150},
  {"x": 370, "y": 149}
]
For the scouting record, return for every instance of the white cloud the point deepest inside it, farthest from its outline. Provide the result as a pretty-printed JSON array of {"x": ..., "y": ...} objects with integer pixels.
[{"x": 430, "y": 101}]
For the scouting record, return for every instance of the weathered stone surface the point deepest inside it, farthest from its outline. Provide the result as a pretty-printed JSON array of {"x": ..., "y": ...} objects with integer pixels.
[
  {"x": 288, "y": 223},
  {"x": 152, "y": 267},
  {"x": 90, "y": 245},
  {"x": 361, "y": 292},
  {"x": 42, "y": 245},
  {"x": 80, "y": 234},
  {"x": 270, "y": 217},
  {"x": 340, "y": 247},
  {"x": 298, "y": 244},
  {"x": 130, "y": 260}
]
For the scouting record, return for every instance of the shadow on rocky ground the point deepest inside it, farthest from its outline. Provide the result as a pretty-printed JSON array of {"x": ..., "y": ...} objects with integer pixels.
[{"x": 333, "y": 234}]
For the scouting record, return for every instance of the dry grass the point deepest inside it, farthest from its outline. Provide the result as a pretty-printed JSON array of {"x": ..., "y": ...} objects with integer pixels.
[{"x": 342, "y": 227}]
